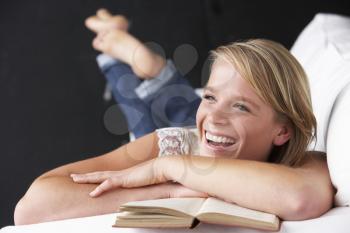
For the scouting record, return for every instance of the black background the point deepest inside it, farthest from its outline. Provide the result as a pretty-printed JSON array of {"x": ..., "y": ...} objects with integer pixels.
[{"x": 51, "y": 105}]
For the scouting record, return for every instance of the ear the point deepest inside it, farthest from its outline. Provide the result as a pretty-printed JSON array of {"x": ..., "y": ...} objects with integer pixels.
[{"x": 283, "y": 135}]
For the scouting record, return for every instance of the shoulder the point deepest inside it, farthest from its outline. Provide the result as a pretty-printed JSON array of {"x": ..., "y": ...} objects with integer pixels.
[
  {"x": 315, "y": 174},
  {"x": 314, "y": 159},
  {"x": 315, "y": 170},
  {"x": 177, "y": 141},
  {"x": 177, "y": 132}
]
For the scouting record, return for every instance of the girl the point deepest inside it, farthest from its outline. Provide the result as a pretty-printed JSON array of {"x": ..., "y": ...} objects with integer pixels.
[{"x": 249, "y": 147}]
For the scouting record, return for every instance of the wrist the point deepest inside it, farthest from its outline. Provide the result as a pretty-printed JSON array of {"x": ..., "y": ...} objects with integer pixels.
[
  {"x": 170, "y": 168},
  {"x": 160, "y": 168},
  {"x": 145, "y": 63},
  {"x": 165, "y": 166},
  {"x": 158, "y": 65}
]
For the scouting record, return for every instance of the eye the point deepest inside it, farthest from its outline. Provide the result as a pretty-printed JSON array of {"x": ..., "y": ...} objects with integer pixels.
[
  {"x": 210, "y": 98},
  {"x": 241, "y": 107}
]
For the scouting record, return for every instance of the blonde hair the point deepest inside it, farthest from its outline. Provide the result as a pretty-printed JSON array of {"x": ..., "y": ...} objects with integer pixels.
[{"x": 279, "y": 80}]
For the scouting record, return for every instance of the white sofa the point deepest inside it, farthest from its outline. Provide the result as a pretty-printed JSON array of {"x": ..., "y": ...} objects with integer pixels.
[{"x": 323, "y": 48}]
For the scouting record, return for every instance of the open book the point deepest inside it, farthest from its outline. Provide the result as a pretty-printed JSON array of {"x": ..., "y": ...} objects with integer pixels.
[{"x": 188, "y": 212}]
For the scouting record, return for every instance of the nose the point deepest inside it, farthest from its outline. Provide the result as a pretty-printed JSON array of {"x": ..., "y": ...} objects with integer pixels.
[{"x": 218, "y": 117}]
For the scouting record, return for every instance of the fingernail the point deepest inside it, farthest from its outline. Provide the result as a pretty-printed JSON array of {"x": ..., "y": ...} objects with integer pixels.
[
  {"x": 93, "y": 193},
  {"x": 74, "y": 177}
]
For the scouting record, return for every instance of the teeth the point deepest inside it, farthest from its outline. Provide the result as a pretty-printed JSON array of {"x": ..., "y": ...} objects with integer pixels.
[{"x": 218, "y": 139}]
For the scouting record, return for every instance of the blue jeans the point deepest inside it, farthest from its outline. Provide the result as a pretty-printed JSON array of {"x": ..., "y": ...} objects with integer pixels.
[{"x": 174, "y": 105}]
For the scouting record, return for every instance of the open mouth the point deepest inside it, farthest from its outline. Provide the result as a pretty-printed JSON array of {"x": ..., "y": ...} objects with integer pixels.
[{"x": 218, "y": 142}]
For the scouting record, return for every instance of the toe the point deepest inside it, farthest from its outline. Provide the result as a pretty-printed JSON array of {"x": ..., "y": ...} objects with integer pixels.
[
  {"x": 120, "y": 22},
  {"x": 93, "y": 23},
  {"x": 103, "y": 14}
]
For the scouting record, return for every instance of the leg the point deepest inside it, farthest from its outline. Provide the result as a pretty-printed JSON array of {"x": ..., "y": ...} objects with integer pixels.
[
  {"x": 176, "y": 103},
  {"x": 123, "y": 82},
  {"x": 173, "y": 103}
]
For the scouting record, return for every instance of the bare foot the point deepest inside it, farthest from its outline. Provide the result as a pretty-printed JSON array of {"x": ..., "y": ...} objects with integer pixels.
[
  {"x": 104, "y": 20},
  {"x": 123, "y": 46}
]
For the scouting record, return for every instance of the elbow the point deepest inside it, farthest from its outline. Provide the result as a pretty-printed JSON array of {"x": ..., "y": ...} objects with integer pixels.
[
  {"x": 23, "y": 213},
  {"x": 27, "y": 211},
  {"x": 308, "y": 203},
  {"x": 33, "y": 207}
]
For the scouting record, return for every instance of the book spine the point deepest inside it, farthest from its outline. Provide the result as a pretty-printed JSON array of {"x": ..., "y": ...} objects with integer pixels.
[{"x": 194, "y": 223}]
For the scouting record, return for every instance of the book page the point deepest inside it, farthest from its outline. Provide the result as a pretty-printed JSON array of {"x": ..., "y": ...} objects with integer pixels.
[
  {"x": 188, "y": 206},
  {"x": 140, "y": 215},
  {"x": 214, "y": 205}
]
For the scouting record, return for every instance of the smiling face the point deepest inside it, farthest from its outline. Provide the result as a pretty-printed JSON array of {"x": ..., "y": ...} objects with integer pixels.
[{"x": 234, "y": 121}]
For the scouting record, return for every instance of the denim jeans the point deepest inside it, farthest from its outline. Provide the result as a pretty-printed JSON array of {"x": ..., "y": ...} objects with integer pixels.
[{"x": 173, "y": 105}]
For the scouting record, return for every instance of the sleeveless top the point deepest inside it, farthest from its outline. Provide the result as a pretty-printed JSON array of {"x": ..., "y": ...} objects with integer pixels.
[{"x": 178, "y": 141}]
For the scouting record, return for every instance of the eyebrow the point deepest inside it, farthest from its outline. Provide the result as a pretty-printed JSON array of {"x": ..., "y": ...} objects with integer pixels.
[{"x": 239, "y": 97}]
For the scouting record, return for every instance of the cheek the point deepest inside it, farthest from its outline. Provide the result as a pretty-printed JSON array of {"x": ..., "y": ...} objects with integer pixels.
[
  {"x": 246, "y": 132},
  {"x": 255, "y": 127},
  {"x": 255, "y": 139},
  {"x": 261, "y": 134},
  {"x": 200, "y": 115}
]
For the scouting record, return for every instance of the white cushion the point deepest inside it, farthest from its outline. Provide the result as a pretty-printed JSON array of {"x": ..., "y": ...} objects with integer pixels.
[
  {"x": 335, "y": 220},
  {"x": 338, "y": 148},
  {"x": 323, "y": 48}
]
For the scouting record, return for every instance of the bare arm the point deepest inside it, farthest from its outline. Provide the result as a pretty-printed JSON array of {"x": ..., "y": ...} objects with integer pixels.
[
  {"x": 54, "y": 196},
  {"x": 291, "y": 193},
  {"x": 58, "y": 198}
]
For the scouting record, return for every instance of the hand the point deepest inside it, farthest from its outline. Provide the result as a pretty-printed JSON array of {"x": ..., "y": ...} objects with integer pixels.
[
  {"x": 146, "y": 173},
  {"x": 169, "y": 190}
]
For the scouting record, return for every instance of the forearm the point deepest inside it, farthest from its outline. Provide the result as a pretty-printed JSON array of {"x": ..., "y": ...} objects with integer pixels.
[
  {"x": 56, "y": 198},
  {"x": 267, "y": 187}
]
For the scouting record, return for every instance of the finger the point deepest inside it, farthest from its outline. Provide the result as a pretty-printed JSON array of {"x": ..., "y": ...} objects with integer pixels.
[
  {"x": 92, "y": 178},
  {"x": 105, "y": 186}
]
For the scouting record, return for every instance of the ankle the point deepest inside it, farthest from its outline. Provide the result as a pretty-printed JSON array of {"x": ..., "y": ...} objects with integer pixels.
[
  {"x": 160, "y": 63},
  {"x": 148, "y": 65}
]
